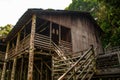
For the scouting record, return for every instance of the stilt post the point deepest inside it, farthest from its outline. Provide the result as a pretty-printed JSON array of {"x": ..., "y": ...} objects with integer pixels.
[
  {"x": 15, "y": 59},
  {"x": 5, "y": 62},
  {"x": 31, "y": 49}
]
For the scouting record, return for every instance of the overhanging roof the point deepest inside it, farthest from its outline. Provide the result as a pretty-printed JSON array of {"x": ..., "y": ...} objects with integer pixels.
[{"x": 28, "y": 14}]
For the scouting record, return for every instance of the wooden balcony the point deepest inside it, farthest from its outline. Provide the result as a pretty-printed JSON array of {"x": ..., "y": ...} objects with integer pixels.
[
  {"x": 40, "y": 42},
  {"x": 21, "y": 48}
]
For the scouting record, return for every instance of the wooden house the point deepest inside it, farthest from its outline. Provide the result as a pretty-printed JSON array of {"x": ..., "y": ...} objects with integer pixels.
[{"x": 41, "y": 37}]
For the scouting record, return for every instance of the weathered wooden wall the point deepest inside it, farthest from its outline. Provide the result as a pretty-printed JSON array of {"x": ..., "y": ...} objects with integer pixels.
[{"x": 83, "y": 32}]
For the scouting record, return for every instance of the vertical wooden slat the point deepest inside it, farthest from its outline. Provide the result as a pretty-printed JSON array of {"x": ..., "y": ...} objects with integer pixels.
[
  {"x": 59, "y": 34},
  {"x": 31, "y": 50},
  {"x": 50, "y": 35},
  {"x": 8, "y": 73},
  {"x": 15, "y": 59},
  {"x": 5, "y": 64}
]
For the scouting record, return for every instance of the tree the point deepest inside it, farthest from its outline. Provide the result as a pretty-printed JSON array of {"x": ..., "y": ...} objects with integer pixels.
[
  {"x": 84, "y": 5},
  {"x": 4, "y": 30},
  {"x": 106, "y": 13},
  {"x": 109, "y": 20}
]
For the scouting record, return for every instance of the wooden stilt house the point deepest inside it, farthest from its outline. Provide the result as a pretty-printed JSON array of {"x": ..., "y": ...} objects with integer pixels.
[{"x": 52, "y": 45}]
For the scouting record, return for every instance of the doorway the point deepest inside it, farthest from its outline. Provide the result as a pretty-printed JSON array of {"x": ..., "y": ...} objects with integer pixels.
[{"x": 55, "y": 33}]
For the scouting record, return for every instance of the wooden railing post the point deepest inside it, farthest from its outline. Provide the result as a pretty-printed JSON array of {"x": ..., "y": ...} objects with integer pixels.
[
  {"x": 94, "y": 60},
  {"x": 5, "y": 62},
  {"x": 31, "y": 49},
  {"x": 15, "y": 59}
]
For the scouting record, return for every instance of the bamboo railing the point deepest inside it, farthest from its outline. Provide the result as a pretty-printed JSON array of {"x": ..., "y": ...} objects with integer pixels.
[
  {"x": 23, "y": 45},
  {"x": 42, "y": 41},
  {"x": 89, "y": 57}
]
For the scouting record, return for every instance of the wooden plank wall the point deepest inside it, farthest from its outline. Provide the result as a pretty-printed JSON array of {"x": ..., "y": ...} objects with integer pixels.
[{"x": 82, "y": 30}]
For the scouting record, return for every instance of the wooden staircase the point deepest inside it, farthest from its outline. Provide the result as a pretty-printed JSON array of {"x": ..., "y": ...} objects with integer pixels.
[{"x": 73, "y": 67}]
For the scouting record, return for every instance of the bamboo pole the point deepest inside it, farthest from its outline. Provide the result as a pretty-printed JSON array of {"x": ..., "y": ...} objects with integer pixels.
[
  {"x": 5, "y": 63},
  {"x": 21, "y": 70},
  {"x": 15, "y": 59},
  {"x": 31, "y": 50}
]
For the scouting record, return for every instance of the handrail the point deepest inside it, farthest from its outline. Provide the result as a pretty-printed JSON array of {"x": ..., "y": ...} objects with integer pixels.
[
  {"x": 81, "y": 65},
  {"x": 75, "y": 64},
  {"x": 23, "y": 42},
  {"x": 61, "y": 55},
  {"x": 42, "y": 41}
]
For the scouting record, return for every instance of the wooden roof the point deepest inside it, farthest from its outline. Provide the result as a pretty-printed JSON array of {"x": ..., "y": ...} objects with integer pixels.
[{"x": 28, "y": 14}]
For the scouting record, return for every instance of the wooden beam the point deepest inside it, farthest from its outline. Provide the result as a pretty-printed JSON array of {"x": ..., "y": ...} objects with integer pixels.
[
  {"x": 5, "y": 63},
  {"x": 59, "y": 34},
  {"x": 15, "y": 59},
  {"x": 31, "y": 50},
  {"x": 52, "y": 65},
  {"x": 47, "y": 66},
  {"x": 37, "y": 69},
  {"x": 50, "y": 35},
  {"x": 8, "y": 71}
]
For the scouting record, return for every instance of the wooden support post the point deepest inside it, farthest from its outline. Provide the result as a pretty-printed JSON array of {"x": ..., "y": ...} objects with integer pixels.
[
  {"x": 50, "y": 36},
  {"x": 59, "y": 34},
  {"x": 21, "y": 70},
  {"x": 15, "y": 59},
  {"x": 8, "y": 71},
  {"x": 31, "y": 50},
  {"x": 51, "y": 44},
  {"x": 5, "y": 62},
  {"x": 13, "y": 69},
  {"x": 52, "y": 65}
]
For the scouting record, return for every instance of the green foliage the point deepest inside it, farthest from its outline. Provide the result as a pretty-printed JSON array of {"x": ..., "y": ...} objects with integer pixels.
[
  {"x": 84, "y": 5},
  {"x": 4, "y": 30},
  {"x": 109, "y": 20},
  {"x": 106, "y": 13}
]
